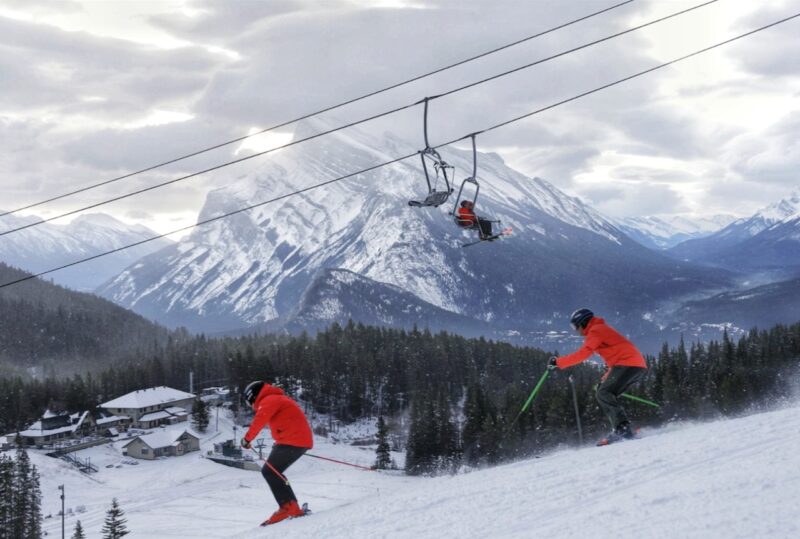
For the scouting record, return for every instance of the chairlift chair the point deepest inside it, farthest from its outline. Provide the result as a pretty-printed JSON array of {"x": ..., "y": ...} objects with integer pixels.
[
  {"x": 435, "y": 197},
  {"x": 471, "y": 179},
  {"x": 476, "y": 223}
]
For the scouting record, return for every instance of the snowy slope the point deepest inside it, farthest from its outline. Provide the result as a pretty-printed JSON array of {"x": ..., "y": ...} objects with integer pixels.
[
  {"x": 46, "y": 246},
  {"x": 665, "y": 231},
  {"x": 729, "y": 479},
  {"x": 257, "y": 266}
]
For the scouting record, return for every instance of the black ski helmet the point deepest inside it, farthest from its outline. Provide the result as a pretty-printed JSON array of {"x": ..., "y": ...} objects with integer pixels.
[
  {"x": 580, "y": 318},
  {"x": 252, "y": 390}
]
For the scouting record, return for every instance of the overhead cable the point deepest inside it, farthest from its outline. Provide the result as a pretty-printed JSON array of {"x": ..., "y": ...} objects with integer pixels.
[
  {"x": 317, "y": 113},
  {"x": 396, "y": 160},
  {"x": 357, "y": 122}
]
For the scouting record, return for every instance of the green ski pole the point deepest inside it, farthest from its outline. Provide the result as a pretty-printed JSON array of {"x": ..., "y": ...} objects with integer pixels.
[
  {"x": 531, "y": 397},
  {"x": 643, "y": 401}
]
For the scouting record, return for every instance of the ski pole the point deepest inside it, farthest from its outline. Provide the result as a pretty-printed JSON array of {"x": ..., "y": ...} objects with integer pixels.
[
  {"x": 577, "y": 412},
  {"x": 340, "y": 462},
  {"x": 643, "y": 401},
  {"x": 271, "y": 467},
  {"x": 531, "y": 397}
]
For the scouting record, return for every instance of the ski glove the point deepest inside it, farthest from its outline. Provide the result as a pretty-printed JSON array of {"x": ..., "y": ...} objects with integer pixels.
[
  {"x": 553, "y": 363},
  {"x": 244, "y": 443}
]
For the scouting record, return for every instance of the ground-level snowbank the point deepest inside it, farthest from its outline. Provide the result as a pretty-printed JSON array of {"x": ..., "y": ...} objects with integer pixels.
[{"x": 727, "y": 479}]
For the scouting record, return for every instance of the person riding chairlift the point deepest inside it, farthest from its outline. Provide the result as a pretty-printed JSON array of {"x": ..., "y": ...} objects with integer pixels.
[{"x": 467, "y": 219}]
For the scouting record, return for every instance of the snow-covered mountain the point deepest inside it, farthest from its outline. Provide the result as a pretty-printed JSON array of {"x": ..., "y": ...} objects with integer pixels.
[
  {"x": 665, "y": 231},
  {"x": 770, "y": 239},
  {"x": 48, "y": 245},
  {"x": 256, "y": 267},
  {"x": 337, "y": 295},
  {"x": 732, "y": 479}
]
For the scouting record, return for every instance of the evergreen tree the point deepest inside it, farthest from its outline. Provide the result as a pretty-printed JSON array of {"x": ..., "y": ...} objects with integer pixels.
[
  {"x": 114, "y": 526},
  {"x": 78, "y": 533},
  {"x": 383, "y": 460},
  {"x": 21, "y": 498},
  {"x": 6, "y": 496},
  {"x": 33, "y": 518},
  {"x": 420, "y": 451},
  {"x": 200, "y": 417}
]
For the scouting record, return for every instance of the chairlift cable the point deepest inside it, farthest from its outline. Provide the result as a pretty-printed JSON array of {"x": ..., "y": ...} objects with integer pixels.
[
  {"x": 351, "y": 124},
  {"x": 317, "y": 113},
  {"x": 399, "y": 159}
]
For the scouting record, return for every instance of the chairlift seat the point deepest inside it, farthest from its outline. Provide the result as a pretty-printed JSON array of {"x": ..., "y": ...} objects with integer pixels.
[{"x": 434, "y": 199}]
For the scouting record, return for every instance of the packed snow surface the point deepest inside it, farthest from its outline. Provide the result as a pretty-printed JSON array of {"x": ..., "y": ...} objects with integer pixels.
[{"x": 736, "y": 478}]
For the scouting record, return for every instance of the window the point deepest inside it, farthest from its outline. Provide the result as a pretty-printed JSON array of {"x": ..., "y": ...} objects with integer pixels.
[{"x": 145, "y": 451}]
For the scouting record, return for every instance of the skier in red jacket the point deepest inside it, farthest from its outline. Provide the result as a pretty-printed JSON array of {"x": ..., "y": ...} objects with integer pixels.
[
  {"x": 466, "y": 217},
  {"x": 625, "y": 366},
  {"x": 292, "y": 435}
]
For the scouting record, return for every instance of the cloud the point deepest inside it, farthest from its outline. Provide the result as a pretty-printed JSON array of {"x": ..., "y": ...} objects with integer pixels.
[
  {"x": 673, "y": 139},
  {"x": 646, "y": 199}
]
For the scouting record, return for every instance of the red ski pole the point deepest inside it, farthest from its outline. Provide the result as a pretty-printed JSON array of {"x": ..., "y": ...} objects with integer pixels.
[
  {"x": 271, "y": 467},
  {"x": 341, "y": 462}
]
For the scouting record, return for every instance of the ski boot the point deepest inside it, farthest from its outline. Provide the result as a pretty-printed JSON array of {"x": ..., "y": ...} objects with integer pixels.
[
  {"x": 622, "y": 432},
  {"x": 287, "y": 510}
]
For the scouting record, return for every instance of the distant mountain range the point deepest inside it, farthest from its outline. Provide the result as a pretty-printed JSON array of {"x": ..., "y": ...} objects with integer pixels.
[
  {"x": 47, "y": 246},
  {"x": 666, "y": 231},
  {"x": 767, "y": 241},
  {"x": 355, "y": 249}
]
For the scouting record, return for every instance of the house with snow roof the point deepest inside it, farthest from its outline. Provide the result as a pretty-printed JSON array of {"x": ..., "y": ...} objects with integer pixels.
[
  {"x": 152, "y": 407},
  {"x": 54, "y": 427},
  {"x": 162, "y": 444}
]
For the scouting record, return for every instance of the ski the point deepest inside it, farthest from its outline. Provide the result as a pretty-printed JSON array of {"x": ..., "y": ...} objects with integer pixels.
[
  {"x": 615, "y": 438},
  {"x": 505, "y": 232}
]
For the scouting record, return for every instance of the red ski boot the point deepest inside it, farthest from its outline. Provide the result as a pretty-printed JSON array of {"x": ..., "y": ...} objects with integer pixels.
[{"x": 287, "y": 510}]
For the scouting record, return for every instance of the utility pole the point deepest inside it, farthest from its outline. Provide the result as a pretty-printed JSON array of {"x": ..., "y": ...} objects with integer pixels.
[
  {"x": 61, "y": 488},
  {"x": 191, "y": 381}
]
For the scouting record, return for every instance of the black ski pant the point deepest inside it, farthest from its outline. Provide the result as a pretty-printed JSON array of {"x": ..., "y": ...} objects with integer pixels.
[
  {"x": 485, "y": 226},
  {"x": 280, "y": 458},
  {"x": 618, "y": 380}
]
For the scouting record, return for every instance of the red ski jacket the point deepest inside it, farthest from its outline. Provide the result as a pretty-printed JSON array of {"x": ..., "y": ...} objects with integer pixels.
[
  {"x": 466, "y": 217},
  {"x": 604, "y": 340},
  {"x": 286, "y": 420}
]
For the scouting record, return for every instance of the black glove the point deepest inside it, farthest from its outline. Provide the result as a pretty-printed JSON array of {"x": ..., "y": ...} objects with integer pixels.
[
  {"x": 552, "y": 363},
  {"x": 244, "y": 443}
]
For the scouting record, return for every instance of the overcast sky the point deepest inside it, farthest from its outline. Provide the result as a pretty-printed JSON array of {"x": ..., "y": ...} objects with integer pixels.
[{"x": 91, "y": 90}]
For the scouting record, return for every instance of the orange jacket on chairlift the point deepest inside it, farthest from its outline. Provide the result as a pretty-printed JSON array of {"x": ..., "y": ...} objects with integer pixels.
[{"x": 466, "y": 217}]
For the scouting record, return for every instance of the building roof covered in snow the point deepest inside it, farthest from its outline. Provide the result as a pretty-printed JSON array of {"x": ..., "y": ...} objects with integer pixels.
[
  {"x": 162, "y": 439},
  {"x": 144, "y": 398},
  {"x": 74, "y": 422}
]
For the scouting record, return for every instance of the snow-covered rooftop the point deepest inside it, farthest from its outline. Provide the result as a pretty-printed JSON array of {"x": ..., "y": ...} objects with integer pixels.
[
  {"x": 153, "y": 416},
  {"x": 161, "y": 439},
  {"x": 148, "y": 397},
  {"x": 36, "y": 430},
  {"x": 111, "y": 418}
]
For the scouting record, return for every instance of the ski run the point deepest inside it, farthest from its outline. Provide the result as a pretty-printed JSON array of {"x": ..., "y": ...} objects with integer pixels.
[{"x": 736, "y": 478}]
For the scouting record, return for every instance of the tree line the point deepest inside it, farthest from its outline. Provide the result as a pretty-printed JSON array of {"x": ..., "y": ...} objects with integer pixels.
[{"x": 458, "y": 396}]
